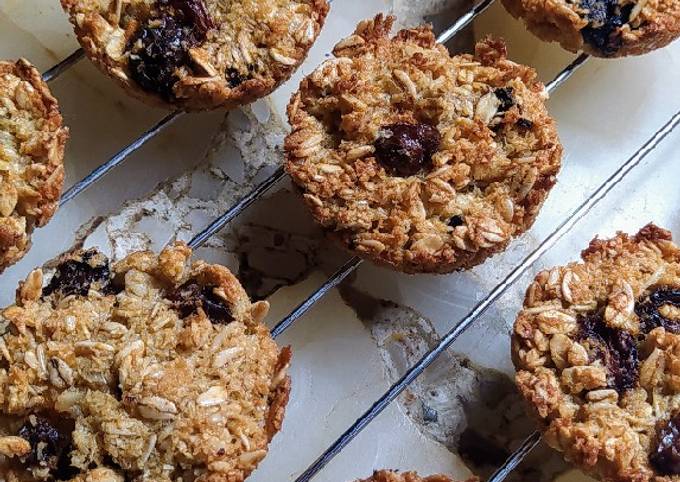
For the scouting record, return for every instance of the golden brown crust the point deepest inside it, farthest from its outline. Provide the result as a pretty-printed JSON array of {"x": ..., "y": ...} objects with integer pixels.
[
  {"x": 149, "y": 379},
  {"x": 32, "y": 141},
  {"x": 598, "y": 371},
  {"x": 653, "y": 24},
  {"x": 495, "y": 164},
  {"x": 392, "y": 476},
  {"x": 265, "y": 41}
]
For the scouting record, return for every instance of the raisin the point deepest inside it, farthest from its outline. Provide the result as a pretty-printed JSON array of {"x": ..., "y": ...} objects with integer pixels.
[
  {"x": 505, "y": 96},
  {"x": 456, "y": 221},
  {"x": 78, "y": 276},
  {"x": 48, "y": 445},
  {"x": 407, "y": 149},
  {"x": 523, "y": 123},
  {"x": 158, "y": 50},
  {"x": 234, "y": 77},
  {"x": 195, "y": 14},
  {"x": 606, "y": 18},
  {"x": 647, "y": 310},
  {"x": 665, "y": 457},
  {"x": 617, "y": 349},
  {"x": 189, "y": 297}
]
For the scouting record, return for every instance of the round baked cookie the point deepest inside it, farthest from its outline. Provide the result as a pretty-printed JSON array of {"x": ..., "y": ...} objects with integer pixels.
[
  {"x": 392, "y": 476},
  {"x": 418, "y": 160},
  {"x": 151, "y": 370},
  {"x": 32, "y": 141},
  {"x": 197, "y": 54},
  {"x": 604, "y": 28},
  {"x": 597, "y": 352}
]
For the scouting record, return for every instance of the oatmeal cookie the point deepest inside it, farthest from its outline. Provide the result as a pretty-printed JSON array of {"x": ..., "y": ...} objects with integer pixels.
[
  {"x": 604, "y": 28},
  {"x": 32, "y": 141},
  {"x": 197, "y": 54},
  {"x": 418, "y": 160},
  {"x": 597, "y": 352},
  {"x": 153, "y": 369},
  {"x": 391, "y": 476}
]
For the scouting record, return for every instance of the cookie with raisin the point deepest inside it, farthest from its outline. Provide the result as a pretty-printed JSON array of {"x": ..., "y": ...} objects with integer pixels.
[
  {"x": 32, "y": 141},
  {"x": 603, "y": 28},
  {"x": 419, "y": 160},
  {"x": 153, "y": 368},
  {"x": 197, "y": 54},
  {"x": 393, "y": 476},
  {"x": 597, "y": 351}
]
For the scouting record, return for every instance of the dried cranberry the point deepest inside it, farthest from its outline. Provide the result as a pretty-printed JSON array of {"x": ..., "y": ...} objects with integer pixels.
[
  {"x": 606, "y": 17},
  {"x": 617, "y": 349},
  {"x": 665, "y": 457},
  {"x": 48, "y": 444},
  {"x": 195, "y": 14},
  {"x": 78, "y": 276},
  {"x": 456, "y": 221},
  {"x": 164, "y": 48},
  {"x": 504, "y": 94},
  {"x": 189, "y": 297},
  {"x": 647, "y": 310},
  {"x": 407, "y": 149},
  {"x": 523, "y": 123}
]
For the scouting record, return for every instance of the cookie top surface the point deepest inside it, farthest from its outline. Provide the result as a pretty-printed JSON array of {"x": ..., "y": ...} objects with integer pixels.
[
  {"x": 597, "y": 351},
  {"x": 197, "y": 54},
  {"x": 392, "y": 476},
  {"x": 604, "y": 28},
  {"x": 150, "y": 370},
  {"x": 32, "y": 141},
  {"x": 416, "y": 159}
]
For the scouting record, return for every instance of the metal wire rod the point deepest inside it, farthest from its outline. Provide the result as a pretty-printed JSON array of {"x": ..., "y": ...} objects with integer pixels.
[
  {"x": 397, "y": 388},
  {"x": 62, "y": 66},
  {"x": 567, "y": 72},
  {"x": 463, "y": 21},
  {"x": 516, "y": 458},
  {"x": 117, "y": 159},
  {"x": 331, "y": 283},
  {"x": 237, "y": 208}
]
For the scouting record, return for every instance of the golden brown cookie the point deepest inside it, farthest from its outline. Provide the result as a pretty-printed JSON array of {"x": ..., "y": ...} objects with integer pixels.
[
  {"x": 418, "y": 160},
  {"x": 32, "y": 141},
  {"x": 391, "y": 476},
  {"x": 154, "y": 369},
  {"x": 597, "y": 352},
  {"x": 604, "y": 28},
  {"x": 197, "y": 54}
]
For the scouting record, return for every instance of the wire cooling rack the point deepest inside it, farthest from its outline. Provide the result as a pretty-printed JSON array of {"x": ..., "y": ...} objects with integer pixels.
[{"x": 348, "y": 267}]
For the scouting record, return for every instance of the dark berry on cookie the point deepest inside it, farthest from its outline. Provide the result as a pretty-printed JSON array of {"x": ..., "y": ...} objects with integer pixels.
[
  {"x": 505, "y": 96},
  {"x": 407, "y": 149},
  {"x": 78, "y": 274},
  {"x": 665, "y": 456},
  {"x": 605, "y": 17},
  {"x": 523, "y": 123},
  {"x": 188, "y": 298},
  {"x": 194, "y": 14},
  {"x": 47, "y": 443},
  {"x": 160, "y": 49},
  {"x": 616, "y": 348},
  {"x": 456, "y": 221},
  {"x": 648, "y": 309}
]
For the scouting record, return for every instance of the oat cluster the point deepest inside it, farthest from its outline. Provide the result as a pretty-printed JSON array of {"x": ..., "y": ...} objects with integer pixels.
[
  {"x": 604, "y": 28},
  {"x": 392, "y": 476},
  {"x": 597, "y": 352},
  {"x": 197, "y": 54},
  {"x": 152, "y": 370},
  {"x": 418, "y": 160},
  {"x": 32, "y": 141}
]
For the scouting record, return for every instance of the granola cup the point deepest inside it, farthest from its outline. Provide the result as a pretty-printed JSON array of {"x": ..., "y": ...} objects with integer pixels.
[
  {"x": 392, "y": 476},
  {"x": 597, "y": 352},
  {"x": 418, "y": 160},
  {"x": 197, "y": 54},
  {"x": 154, "y": 369},
  {"x": 32, "y": 140},
  {"x": 603, "y": 28}
]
